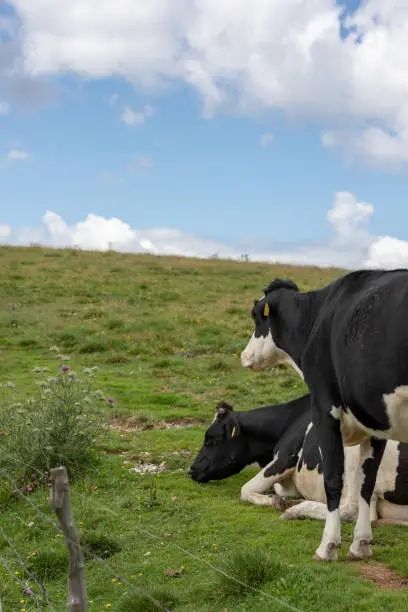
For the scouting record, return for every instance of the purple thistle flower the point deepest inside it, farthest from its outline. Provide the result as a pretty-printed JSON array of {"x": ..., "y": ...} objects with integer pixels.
[
  {"x": 29, "y": 489},
  {"x": 27, "y": 592},
  {"x": 33, "y": 476},
  {"x": 64, "y": 368},
  {"x": 110, "y": 401}
]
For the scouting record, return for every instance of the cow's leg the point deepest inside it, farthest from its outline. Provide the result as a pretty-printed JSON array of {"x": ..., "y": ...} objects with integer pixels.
[
  {"x": 306, "y": 509},
  {"x": 286, "y": 488},
  {"x": 332, "y": 452},
  {"x": 254, "y": 491},
  {"x": 350, "y": 494},
  {"x": 373, "y": 510},
  {"x": 371, "y": 454},
  {"x": 313, "y": 510}
]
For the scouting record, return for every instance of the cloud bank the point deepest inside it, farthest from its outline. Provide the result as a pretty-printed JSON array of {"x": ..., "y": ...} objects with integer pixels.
[
  {"x": 308, "y": 59},
  {"x": 350, "y": 246}
]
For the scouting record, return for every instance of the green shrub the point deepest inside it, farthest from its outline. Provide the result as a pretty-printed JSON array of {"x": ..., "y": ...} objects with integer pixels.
[{"x": 56, "y": 426}]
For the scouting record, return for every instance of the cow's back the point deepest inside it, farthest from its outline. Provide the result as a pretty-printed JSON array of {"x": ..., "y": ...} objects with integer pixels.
[{"x": 358, "y": 348}]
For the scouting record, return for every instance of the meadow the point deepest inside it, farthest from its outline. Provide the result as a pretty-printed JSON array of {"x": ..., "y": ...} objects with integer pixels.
[{"x": 160, "y": 337}]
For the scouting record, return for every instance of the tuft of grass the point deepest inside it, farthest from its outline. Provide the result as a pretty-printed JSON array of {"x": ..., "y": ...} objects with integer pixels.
[
  {"x": 99, "y": 544},
  {"x": 115, "y": 324},
  {"x": 67, "y": 338},
  {"x": 28, "y": 343},
  {"x": 219, "y": 366},
  {"x": 133, "y": 602},
  {"x": 252, "y": 567},
  {"x": 92, "y": 314},
  {"x": 151, "y": 497},
  {"x": 94, "y": 346},
  {"x": 48, "y": 564},
  {"x": 117, "y": 358}
]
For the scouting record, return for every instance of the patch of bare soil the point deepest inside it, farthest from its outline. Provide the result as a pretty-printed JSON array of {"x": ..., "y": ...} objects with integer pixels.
[
  {"x": 383, "y": 577},
  {"x": 137, "y": 423},
  {"x": 182, "y": 422},
  {"x": 183, "y": 452}
]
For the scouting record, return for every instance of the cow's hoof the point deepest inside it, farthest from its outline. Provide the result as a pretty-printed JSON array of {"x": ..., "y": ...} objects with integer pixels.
[
  {"x": 360, "y": 550},
  {"x": 327, "y": 553},
  {"x": 278, "y": 502},
  {"x": 289, "y": 515}
]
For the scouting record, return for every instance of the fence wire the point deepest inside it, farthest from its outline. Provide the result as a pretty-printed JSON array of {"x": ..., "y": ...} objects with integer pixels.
[
  {"x": 153, "y": 536},
  {"x": 27, "y": 571},
  {"x": 84, "y": 549},
  {"x": 38, "y": 600}
]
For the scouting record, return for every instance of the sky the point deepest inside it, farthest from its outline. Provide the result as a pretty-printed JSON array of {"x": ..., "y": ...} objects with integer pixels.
[{"x": 276, "y": 128}]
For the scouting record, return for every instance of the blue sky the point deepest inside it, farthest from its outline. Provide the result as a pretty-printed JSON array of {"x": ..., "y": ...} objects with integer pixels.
[{"x": 253, "y": 172}]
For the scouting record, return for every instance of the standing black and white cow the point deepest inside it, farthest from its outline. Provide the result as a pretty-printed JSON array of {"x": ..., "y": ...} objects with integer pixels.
[
  {"x": 236, "y": 439},
  {"x": 350, "y": 342}
]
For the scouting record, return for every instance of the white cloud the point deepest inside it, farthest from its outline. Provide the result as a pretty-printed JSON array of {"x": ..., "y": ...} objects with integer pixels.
[
  {"x": 16, "y": 155},
  {"x": 266, "y": 139},
  {"x": 351, "y": 244},
  {"x": 4, "y": 108},
  {"x": 5, "y": 232},
  {"x": 378, "y": 147},
  {"x": 330, "y": 139},
  {"x": 131, "y": 117},
  {"x": 279, "y": 55},
  {"x": 388, "y": 253},
  {"x": 113, "y": 98}
]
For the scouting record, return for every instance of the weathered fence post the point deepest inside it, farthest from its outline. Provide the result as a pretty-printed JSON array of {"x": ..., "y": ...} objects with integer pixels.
[{"x": 61, "y": 504}]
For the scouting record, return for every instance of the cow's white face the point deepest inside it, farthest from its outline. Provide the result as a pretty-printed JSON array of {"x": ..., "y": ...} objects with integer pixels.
[{"x": 261, "y": 352}]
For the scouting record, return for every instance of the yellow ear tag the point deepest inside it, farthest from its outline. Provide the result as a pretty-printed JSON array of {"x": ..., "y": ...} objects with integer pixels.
[
  {"x": 233, "y": 432},
  {"x": 266, "y": 310}
]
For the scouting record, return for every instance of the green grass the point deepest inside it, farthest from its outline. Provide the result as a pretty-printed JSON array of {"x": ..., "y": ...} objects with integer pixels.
[{"x": 166, "y": 334}]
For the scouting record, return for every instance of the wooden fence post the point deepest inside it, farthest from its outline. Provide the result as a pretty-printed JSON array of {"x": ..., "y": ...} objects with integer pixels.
[{"x": 61, "y": 504}]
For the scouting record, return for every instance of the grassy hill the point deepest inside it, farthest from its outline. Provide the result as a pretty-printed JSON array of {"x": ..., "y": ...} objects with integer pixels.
[{"x": 165, "y": 335}]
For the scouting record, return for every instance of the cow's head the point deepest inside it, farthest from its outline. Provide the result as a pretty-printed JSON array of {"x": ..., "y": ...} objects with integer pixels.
[
  {"x": 223, "y": 452},
  {"x": 262, "y": 351}
]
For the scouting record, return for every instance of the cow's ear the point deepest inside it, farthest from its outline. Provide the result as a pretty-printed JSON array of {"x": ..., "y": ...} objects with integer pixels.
[
  {"x": 223, "y": 408},
  {"x": 233, "y": 428},
  {"x": 266, "y": 310}
]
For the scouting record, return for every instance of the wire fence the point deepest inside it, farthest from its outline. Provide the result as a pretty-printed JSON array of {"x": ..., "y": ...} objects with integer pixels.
[
  {"x": 84, "y": 549},
  {"x": 27, "y": 572},
  {"x": 41, "y": 597}
]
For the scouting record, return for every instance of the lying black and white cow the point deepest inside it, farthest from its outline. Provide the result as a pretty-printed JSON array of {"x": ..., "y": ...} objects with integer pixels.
[
  {"x": 235, "y": 440},
  {"x": 350, "y": 342}
]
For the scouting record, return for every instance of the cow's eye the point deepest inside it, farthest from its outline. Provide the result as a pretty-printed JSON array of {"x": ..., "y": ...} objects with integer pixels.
[{"x": 210, "y": 442}]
